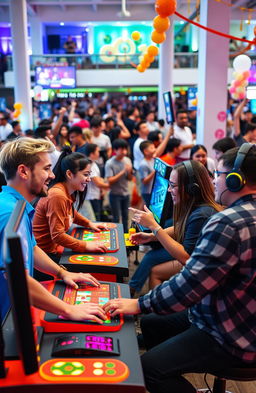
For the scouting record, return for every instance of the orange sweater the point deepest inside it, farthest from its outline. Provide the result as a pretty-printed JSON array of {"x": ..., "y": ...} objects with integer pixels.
[{"x": 53, "y": 217}]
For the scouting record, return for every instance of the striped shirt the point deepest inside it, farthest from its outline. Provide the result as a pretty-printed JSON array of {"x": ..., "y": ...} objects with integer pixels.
[{"x": 218, "y": 283}]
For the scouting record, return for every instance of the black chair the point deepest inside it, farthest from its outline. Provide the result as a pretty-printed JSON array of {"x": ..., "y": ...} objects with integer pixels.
[{"x": 234, "y": 374}]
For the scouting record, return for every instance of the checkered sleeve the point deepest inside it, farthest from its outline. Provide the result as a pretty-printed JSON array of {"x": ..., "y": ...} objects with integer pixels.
[{"x": 216, "y": 252}]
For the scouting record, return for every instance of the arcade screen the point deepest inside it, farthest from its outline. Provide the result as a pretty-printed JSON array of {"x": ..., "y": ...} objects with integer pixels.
[
  {"x": 55, "y": 77},
  {"x": 169, "y": 107},
  {"x": 158, "y": 195},
  {"x": 108, "y": 237}
]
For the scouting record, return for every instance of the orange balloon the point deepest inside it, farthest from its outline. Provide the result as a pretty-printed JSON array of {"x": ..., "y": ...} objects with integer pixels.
[
  {"x": 17, "y": 105},
  {"x": 135, "y": 35},
  {"x": 146, "y": 57},
  {"x": 16, "y": 113},
  {"x": 254, "y": 31},
  {"x": 140, "y": 68},
  {"x": 161, "y": 24},
  {"x": 165, "y": 7},
  {"x": 158, "y": 38},
  {"x": 151, "y": 59},
  {"x": 144, "y": 63},
  {"x": 153, "y": 50}
]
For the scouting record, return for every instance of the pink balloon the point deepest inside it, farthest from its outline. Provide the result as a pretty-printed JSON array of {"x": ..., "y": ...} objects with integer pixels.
[
  {"x": 246, "y": 74},
  {"x": 241, "y": 96},
  {"x": 232, "y": 90},
  {"x": 237, "y": 83}
]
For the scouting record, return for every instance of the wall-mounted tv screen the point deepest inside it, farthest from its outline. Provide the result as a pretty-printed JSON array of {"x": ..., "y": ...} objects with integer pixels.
[{"x": 55, "y": 77}]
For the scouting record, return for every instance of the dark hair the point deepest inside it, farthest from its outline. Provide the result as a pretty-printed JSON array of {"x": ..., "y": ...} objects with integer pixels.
[
  {"x": 15, "y": 123},
  {"x": 45, "y": 122},
  {"x": 64, "y": 125},
  {"x": 248, "y": 167},
  {"x": 172, "y": 144},
  {"x": 29, "y": 132},
  {"x": 224, "y": 144},
  {"x": 137, "y": 126},
  {"x": 196, "y": 148},
  {"x": 115, "y": 133},
  {"x": 120, "y": 143},
  {"x": 153, "y": 136},
  {"x": 90, "y": 148},
  {"x": 40, "y": 132},
  {"x": 81, "y": 113},
  {"x": 181, "y": 111},
  {"x": 108, "y": 119},
  {"x": 131, "y": 110},
  {"x": 74, "y": 162},
  {"x": 161, "y": 122},
  {"x": 5, "y": 115},
  {"x": 96, "y": 121},
  {"x": 144, "y": 145},
  {"x": 250, "y": 127},
  {"x": 76, "y": 130}
]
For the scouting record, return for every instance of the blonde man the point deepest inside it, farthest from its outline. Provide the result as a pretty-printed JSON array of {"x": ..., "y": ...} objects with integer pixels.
[{"x": 26, "y": 165}]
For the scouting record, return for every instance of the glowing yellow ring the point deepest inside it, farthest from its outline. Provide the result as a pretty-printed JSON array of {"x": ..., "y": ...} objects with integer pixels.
[
  {"x": 120, "y": 41},
  {"x": 107, "y": 58}
]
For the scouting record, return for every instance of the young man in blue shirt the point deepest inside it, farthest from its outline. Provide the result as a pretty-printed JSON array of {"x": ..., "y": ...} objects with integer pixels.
[
  {"x": 26, "y": 165},
  {"x": 211, "y": 303}
]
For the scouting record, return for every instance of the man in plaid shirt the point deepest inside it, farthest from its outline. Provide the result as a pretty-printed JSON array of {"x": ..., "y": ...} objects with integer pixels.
[{"x": 211, "y": 306}]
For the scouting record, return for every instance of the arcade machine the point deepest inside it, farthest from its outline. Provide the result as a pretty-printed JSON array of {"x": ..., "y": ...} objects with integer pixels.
[
  {"x": 110, "y": 266},
  {"x": 80, "y": 362}
]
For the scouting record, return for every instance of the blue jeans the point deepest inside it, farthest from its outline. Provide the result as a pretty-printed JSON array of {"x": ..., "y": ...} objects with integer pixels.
[
  {"x": 119, "y": 205},
  {"x": 176, "y": 349},
  {"x": 152, "y": 258}
]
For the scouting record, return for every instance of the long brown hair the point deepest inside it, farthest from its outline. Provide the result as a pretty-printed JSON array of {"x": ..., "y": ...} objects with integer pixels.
[{"x": 188, "y": 202}]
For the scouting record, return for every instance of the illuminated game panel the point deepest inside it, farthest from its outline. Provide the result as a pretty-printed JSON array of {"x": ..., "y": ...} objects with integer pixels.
[
  {"x": 84, "y": 370},
  {"x": 108, "y": 237},
  {"x": 104, "y": 260}
]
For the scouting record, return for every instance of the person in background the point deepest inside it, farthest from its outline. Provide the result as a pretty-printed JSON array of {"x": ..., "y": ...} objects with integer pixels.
[
  {"x": 76, "y": 137},
  {"x": 249, "y": 130},
  {"x": 183, "y": 132},
  {"x": 173, "y": 149},
  {"x": 118, "y": 171},
  {"x": 150, "y": 120},
  {"x": 70, "y": 45},
  {"x": 102, "y": 141},
  {"x": 146, "y": 170},
  {"x": 5, "y": 126},
  {"x": 55, "y": 214},
  {"x": 191, "y": 211},
  {"x": 16, "y": 130},
  {"x": 142, "y": 132},
  {"x": 156, "y": 137},
  {"x": 83, "y": 123},
  {"x": 222, "y": 145},
  {"x": 97, "y": 183},
  {"x": 199, "y": 153},
  {"x": 162, "y": 126},
  {"x": 62, "y": 138},
  {"x": 192, "y": 122},
  {"x": 45, "y": 132}
]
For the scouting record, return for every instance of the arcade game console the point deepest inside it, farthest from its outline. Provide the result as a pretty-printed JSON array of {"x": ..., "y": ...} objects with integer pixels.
[
  {"x": 84, "y": 294},
  {"x": 108, "y": 237}
]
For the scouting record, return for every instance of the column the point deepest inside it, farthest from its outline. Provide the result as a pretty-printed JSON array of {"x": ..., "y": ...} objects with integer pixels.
[
  {"x": 165, "y": 69},
  {"x": 212, "y": 74},
  {"x": 18, "y": 17},
  {"x": 36, "y": 33}
]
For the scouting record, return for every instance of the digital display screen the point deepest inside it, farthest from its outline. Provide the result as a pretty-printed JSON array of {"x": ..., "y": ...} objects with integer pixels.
[
  {"x": 253, "y": 106},
  {"x": 251, "y": 92},
  {"x": 192, "y": 98},
  {"x": 55, "y": 77},
  {"x": 168, "y": 107},
  {"x": 158, "y": 195},
  {"x": 99, "y": 343}
]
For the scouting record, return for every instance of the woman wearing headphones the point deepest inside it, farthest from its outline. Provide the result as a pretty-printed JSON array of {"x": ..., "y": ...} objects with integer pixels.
[
  {"x": 55, "y": 213},
  {"x": 193, "y": 199}
]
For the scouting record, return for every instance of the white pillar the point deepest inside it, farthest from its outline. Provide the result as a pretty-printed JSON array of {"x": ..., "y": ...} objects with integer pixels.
[
  {"x": 212, "y": 74},
  {"x": 36, "y": 33},
  {"x": 165, "y": 69},
  {"x": 18, "y": 17}
]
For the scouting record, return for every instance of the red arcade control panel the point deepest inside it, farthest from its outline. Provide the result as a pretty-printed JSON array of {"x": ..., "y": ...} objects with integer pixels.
[
  {"x": 84, "y": 294},
  {"x": 108, "y": 237}
]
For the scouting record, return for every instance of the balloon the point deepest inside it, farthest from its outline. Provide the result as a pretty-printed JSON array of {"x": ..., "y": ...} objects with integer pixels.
[
  {"x": 161, "y": 24},
  {"x": 153, "y": 50},
  {"x": 158, "y": 38},
  {"x": 241, "y": 96},
  {"x": 236, "y": 83},
  {"x": 242, "y": 63},
  {"x": 135, "y": 35},
  {"x": 17, "y": 105},
  {"x": 140, "y": 68},
  {"x": 240, "y": 77},
  {"x": 235, "y": 96},
  {"x": 165, "y": 8},
  {"x": 232, "y": 90},
  {"x": 246, "y": 74},
  {"x": 151, "y": 59},
  {"x": 16, "y": 113},
  {"x": 254, "y": 30}
]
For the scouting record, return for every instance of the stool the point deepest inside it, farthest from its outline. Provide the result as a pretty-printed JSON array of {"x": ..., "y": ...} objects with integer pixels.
[{"x": 234, "y": 374}]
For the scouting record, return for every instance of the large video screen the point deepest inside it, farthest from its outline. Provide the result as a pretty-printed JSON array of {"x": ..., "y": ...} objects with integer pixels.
[
  {"x": 55, "y": 77},
  {"x": 158, "y": 195}
]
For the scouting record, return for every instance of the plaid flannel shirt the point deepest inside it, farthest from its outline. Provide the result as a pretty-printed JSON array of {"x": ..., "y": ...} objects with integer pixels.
[{"x": 218, "y": 283}]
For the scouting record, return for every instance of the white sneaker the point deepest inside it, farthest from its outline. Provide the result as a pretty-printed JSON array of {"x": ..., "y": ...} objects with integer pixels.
[{"x": 144, "y": 248}]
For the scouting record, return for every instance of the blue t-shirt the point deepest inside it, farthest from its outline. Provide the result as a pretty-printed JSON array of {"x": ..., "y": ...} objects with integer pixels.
[{"x": 8, "y": 199}]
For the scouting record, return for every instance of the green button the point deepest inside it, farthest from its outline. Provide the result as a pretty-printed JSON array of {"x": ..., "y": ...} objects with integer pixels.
[
  {"x": 110, "y": 372},
  {"x": 110, "y": 365},
  {"x": 107, "y": 321}
]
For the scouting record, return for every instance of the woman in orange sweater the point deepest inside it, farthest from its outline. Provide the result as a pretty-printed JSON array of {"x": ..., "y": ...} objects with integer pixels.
[{"x": 56, "y": 213}]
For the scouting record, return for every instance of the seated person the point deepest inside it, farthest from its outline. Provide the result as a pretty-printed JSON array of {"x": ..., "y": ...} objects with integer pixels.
[
  {"x": 191, "y": 211},
  {"x": 55, "y": 213},
  {"x": 26, "y": 165},
  {"x": 203, "y": 319}
]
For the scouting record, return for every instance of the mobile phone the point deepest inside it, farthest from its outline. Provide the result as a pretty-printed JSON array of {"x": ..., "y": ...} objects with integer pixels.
[
  {"x": 167, "y": 96},
  {"x": 251, "y": 92}
]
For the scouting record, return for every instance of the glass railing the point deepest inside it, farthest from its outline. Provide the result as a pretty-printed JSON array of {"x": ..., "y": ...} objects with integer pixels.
[{"x": 107, "y": 61}]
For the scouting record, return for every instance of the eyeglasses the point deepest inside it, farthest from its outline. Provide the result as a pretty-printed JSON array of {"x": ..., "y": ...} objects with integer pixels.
[
  {"x": 218, "y": 173},
  {"x": 172, "y": 185}
]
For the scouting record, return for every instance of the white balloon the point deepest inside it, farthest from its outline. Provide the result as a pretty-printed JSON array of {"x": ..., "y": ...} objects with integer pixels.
[{"x": 242, "y": 63}]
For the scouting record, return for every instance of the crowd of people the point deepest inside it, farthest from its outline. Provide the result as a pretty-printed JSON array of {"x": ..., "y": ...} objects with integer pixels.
[{"x": 202, "y": 275}]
